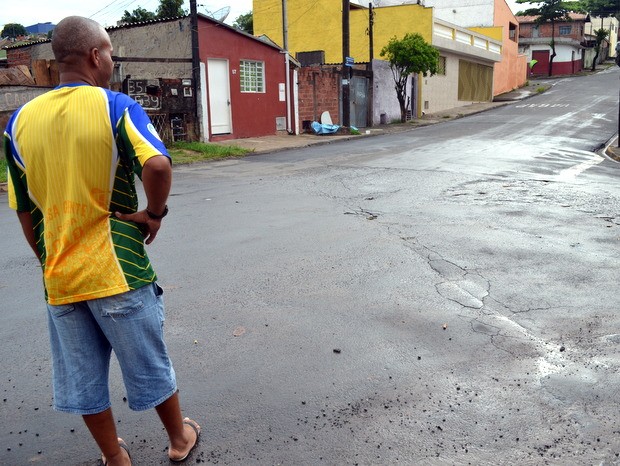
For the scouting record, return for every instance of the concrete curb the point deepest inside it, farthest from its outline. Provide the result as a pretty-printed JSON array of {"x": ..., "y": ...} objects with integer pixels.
[
  {"x": 382, "y": 131},
  {"x": 612, "y": 150},
  {"x": 282, "y": 143}
]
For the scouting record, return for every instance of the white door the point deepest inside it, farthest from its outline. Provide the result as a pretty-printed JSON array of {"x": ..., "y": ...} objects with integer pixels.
[{"x": 219, "y": 97}]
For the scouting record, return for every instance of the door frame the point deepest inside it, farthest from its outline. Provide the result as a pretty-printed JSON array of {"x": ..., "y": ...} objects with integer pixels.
[{"x": 212, "y": 92}]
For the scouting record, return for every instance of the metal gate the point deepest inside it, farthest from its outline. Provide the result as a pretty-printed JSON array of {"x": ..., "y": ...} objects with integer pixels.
[{"x": 359, "y": 101}]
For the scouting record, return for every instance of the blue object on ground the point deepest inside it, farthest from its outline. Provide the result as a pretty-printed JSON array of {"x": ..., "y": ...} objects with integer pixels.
[{"x": 318, "y": 128}]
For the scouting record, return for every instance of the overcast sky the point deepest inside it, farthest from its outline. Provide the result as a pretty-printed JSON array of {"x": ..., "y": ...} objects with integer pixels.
[{"x": 108, "y": 12}]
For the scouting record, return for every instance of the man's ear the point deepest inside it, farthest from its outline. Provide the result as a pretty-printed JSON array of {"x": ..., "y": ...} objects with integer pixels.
[{"x": 94, "y": 57}]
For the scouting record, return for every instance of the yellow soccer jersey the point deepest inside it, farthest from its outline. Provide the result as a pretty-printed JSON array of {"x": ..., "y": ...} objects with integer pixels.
[{"x": 72, "y": 154}]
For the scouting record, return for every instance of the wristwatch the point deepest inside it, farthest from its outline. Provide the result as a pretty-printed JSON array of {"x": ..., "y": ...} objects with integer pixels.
[{"x": 157, "y": 217}]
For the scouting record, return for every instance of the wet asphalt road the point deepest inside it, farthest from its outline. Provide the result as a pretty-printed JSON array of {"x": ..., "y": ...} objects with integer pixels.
[{"x": 447, "y": 295}]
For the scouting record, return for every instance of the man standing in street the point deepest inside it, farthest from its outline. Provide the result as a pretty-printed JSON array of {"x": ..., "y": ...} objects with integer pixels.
[{"x": 72, "y": 154}]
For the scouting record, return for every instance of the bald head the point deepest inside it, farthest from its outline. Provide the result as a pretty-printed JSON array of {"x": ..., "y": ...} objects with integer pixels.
[{"x": 74, "y": 37}]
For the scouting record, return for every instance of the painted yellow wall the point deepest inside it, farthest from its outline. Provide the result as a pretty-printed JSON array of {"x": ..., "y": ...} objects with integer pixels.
[
  {"x": 496, "y": 33},
  {"x": 317, "y": 25},
  {"x": 395, "y": 21}
]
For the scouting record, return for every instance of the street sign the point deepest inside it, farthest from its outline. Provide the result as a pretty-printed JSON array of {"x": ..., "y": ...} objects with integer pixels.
[{"x": 349, "y": 61}]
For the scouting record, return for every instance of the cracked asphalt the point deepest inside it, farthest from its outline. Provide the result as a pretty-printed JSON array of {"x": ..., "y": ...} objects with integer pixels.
[{"x": 446, "y": 295}]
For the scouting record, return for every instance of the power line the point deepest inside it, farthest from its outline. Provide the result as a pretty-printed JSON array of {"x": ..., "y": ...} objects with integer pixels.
[
  {"x": 115, "y": 14},
  {"x": 108, "y": 5}
]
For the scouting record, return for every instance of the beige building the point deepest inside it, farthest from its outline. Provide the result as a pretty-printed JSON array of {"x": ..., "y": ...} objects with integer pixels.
[{"x": 611, "y": 24}]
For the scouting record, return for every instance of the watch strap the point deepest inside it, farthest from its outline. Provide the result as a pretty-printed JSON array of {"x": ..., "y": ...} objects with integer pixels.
[{"x": 155, "y": 216}]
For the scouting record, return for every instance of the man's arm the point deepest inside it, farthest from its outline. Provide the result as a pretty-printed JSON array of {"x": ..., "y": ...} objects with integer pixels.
[
  {"x": 25, "y": 219},
  {"x": 156, "y": 180}
]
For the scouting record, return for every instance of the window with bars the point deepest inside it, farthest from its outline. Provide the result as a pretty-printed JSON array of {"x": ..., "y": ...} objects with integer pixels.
[
  {"x": 252, "y": 76},
  {"x": 441, "y": 66}
]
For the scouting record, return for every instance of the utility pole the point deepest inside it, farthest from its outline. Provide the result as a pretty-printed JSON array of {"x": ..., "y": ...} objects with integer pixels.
[
  {"x": 346, "y": 71},
  {"x": 371, "y": 42},
  {"x": 284, "y": 26},
  {"x": 618, "y": 63},
  {"x": 287, "y": 66},
  {"x": 193, "y": 12}
]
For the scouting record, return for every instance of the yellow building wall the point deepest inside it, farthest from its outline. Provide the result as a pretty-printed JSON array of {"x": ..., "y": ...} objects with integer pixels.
[
  {"x": 395, "y": 21},
  {"x": 496, "y": 33},
  {"x": 317, "y": 25}
]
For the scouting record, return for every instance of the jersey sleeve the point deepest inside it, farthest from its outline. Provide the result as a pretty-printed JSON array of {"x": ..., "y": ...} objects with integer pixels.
[
  {"x": 137, "y": 138},
  {"x": 17, "y": 186}
]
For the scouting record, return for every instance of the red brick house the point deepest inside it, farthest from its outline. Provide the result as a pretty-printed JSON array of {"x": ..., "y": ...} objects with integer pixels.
[
  {"x": 246, "y": 83},
  {"x": 534, "y": 42}
]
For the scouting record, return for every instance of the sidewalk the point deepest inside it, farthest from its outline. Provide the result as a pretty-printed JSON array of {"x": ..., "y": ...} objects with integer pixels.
[{"x": 284, "y": 141}]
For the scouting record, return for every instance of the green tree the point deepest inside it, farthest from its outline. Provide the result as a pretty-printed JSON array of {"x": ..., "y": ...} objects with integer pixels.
[
  {"x": 138, "y": 15},
  {"x": 600, "y": 35},
  {"x": 577, "y": 6},
  {"x": 602, "y": 8},
  {"x": 550, "y": 11},
  {"x": 245, "y": 23},
  {"x": 13, "y": 30},
  {"x": 412, "y": 54},
  {"x": 170, "y": 8}
]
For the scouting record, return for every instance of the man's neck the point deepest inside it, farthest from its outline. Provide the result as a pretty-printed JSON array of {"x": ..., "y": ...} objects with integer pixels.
[{"x": 71, "y": 77}]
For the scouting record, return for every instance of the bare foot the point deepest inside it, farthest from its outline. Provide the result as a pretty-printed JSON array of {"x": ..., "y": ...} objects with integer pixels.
[
  {"x": 191, "y": 431},
  {"x": 123, "y": 458}
]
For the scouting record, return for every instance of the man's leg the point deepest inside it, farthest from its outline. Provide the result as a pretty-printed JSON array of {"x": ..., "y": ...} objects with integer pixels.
[
  {"x": 183, "y": 437},
  {"x": 133, "y": 324},
  {"x": 103, "y": 430},
  {"x": 81, "y": 358}
]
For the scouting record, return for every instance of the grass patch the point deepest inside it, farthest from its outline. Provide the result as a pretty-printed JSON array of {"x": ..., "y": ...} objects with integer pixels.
[
  {"x": 181, "y": 153},
  {"x": 192, "y": 152},
  {"x": 2, "y": 166},
  {"x": 541, "y": 89}
]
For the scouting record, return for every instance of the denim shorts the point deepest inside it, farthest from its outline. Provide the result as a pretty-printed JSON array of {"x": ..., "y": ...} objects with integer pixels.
[{"x": 84, "y": 334}]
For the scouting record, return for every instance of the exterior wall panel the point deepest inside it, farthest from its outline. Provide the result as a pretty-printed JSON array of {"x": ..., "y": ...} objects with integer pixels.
[
  {"x": 319, "y": 90},
  {"x": 385, "y": 104},
  {"x": 253, "y": 114},
  {"x": 441, "y": 91},
  {"x": 317, "y": 25},
  {"x": 464, "y": 12}
]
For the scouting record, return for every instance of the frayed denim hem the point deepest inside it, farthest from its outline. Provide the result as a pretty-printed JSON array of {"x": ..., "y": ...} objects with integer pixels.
[
  {"x": 154, "y": 403},
  {"x": 81, "y": 412}
]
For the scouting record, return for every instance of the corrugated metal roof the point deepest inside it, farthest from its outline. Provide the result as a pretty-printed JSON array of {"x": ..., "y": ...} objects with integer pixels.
[
  {"x": 144, "y": 23},
  {"x": 109, "y": 28},
  {"x": 163, "y": 20},
  {"x": 25, "y": 44}
]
